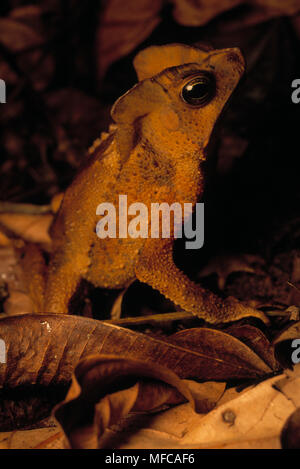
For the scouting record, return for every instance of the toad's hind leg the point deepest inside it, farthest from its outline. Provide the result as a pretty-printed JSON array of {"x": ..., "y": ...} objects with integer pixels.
[{"x": 157, "y": 268}]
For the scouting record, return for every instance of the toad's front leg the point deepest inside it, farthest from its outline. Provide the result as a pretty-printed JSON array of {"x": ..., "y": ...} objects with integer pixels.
[
  {"x": 66, "y": 269},
  {"x": 156, "y": 267},
  {"x": 62, "y": 282}
]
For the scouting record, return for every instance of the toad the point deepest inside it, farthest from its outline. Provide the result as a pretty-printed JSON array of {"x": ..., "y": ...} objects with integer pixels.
[{"x": 153, "y": 153}]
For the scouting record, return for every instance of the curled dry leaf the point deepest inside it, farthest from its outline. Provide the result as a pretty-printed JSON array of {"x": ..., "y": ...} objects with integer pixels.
[
  {"x": 106, "y": 388},
  {"x": 50, "y": 436},
  {"x": 229, "y": 425}
]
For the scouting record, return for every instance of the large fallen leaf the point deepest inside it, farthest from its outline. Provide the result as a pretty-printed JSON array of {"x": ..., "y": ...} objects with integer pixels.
[{"x": 47, "y": 347}]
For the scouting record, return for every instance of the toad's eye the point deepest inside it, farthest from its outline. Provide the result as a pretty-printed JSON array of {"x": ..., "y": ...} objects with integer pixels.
[{"x": 200, "y": 90}]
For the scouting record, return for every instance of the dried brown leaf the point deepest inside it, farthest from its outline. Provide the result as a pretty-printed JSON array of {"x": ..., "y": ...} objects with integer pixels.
[
  {"x": 252, "y": 420},
  {"x": 290, "y": 384},
  {"x": 206, "y": 395},
  {"x": 17, "y": 36},
  {"x": 47, "y": 348},
  {"x": 18, "y": 303},
  {"x": 224, "y": 353},
  {"x": 4, "y": 240},
  {"x": 12, "y": 281},
  {"x": 124, "y": 25},
  {"x": 32, "y": 228},
  {"x": 256, "y": 340},
  {"x": 290, "y": 435},
  {"x": 106, "y": 388},
  {"x": 22, "y": 34},
  {"x": 225, "y": 264},
  {"x": 40, "y": 438},
  {"x": 116, "y": 309},
  {"x": 199, "y": 12},
  {"x": 292, "y": 331}
]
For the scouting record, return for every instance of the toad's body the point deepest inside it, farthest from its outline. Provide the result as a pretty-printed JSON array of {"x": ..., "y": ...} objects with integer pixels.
[
  {"x": 146, "y": 176},
  {"x": 154, "y": 153}
]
